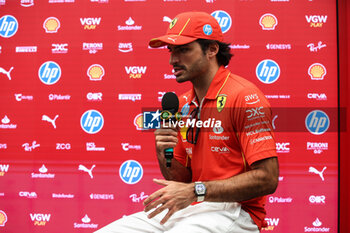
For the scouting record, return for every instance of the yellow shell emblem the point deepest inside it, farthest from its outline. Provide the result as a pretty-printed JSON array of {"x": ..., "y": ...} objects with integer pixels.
[
  {"x": 317, "y": 71},
  {"x": 220, "y": 102},
  {"x": 172, "y": 24},
  {"x": 268, "y": 22}
]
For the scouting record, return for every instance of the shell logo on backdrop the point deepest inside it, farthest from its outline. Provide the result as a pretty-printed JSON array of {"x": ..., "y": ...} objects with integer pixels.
[
  {"x": 51, "y": 25},
  {"x": 8, "y": 26},
  {"x": 95, "y": 72},
  {"x": 138, "y": 121},
  {"x": 317, "y": 71},
  {"x": 3, "y": 218},
  {"x": 268, "y": 21}
]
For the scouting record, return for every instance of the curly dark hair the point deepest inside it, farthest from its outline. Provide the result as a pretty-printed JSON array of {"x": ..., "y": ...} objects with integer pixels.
[{"x": 223, "y": 56}]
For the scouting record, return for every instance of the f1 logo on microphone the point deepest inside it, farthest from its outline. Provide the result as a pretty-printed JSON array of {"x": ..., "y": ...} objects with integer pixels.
[
  {"x": 131, "y": 172},
  {"x": 91, "y": 121}
]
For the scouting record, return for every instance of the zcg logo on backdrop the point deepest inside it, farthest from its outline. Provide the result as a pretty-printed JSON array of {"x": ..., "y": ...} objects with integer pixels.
[
  {"x": 91, "y": 121},
  {"x": 268, "y": 71},
  {"x": 131, "y": 172},
  {"x": 8, "y": 26}
]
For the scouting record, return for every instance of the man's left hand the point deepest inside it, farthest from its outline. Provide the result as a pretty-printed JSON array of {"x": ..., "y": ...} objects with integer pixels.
[{"x": 174, "y": 196}]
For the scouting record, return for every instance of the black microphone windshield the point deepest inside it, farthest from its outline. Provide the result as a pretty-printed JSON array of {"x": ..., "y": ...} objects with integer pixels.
[{"x": 170, "y": 102}]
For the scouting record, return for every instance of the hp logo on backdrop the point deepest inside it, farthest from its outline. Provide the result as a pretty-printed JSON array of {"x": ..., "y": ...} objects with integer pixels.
[
  {"x": 49, "y": 73},
  {"x": 317, "y": 122},
  {"x": 8, "y": 26},
  {"x": 131, "y": 172},
  {"x": 268, "y": 71},
  {"x": 224, "y": 20},
  {"x": 91, "y": 121}
]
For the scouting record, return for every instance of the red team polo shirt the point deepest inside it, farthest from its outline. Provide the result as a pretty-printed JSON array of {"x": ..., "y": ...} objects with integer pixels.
[{"x": 244, "y": 137}]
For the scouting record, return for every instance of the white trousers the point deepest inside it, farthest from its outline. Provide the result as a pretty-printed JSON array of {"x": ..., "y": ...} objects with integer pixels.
[{"x": 205, "y": 217}]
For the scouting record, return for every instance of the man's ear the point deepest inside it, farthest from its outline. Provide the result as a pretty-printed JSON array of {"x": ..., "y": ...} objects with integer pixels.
[{"x": 212, "y": 50}]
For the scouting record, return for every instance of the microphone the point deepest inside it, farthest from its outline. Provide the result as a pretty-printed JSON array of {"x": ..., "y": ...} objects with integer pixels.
[{"x": 170, "y": 104}]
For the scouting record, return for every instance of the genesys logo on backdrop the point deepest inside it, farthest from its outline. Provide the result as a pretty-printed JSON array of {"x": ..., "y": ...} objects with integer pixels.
[
  {"x": 135, "y": 72},
  {"x": 91, "y": 121},
  {"x": 224, "y": 20},
  {"x": 19, "y": 97},
  {"x": 130, "y": 26},
  {"x": 317, "y": 71},
  {"x": 131, "y": 172},
  {"x": 268, "y": 22},
  {"x": 271, "y": 223},
  {"x": 317, "y": 199},
  {"x": 90, "y": 23},
  {"x": 8, "y": 26},
  {"x": 92, "y": 47},
  {"x": 279, "y": 46},
  {"x": 6, "y": 123},
  {"x": 268, "y": 71},
  {"x": 99, "y": 196},
  {"x": 132, "y": 97},
  {"x": 43, "y": 173},
  {"x": 316, "y": 21},
  {"x": 85, "y": 223},
  {"x": 97, "y": 96},
  {"x": 125, "y": 47},
  {"x": 40, "y": 219},
  {"x": 316, "y": 48},
  {"x": 49, "y": 73},
  {"x": 316, "y": 227},
  {"x": 317, "y": 122},
  {"x": 59, "y": 48},
  {"x": 317, "y": 147},
  {"x": 95, "y": 72},
  {"x": 6, "y": 72},
  {"x": 4, "y": 168},
  {"x": 27, "y": 194},
  {"x": 317, "y": 96},
  {"x": 51, "y": 25}
]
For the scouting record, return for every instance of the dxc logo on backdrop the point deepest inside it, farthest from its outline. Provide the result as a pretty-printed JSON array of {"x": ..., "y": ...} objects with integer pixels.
[
  {"x": 49, "y": 73},
  {"x": 91, "y": 121},
  {"x": 224, "y": 20},
  {"x": 131, "y": 172},
  {"x": 268, "y": 71},
  {"x": 317, "y": 122},
  {"x": 8, "y": 26}
]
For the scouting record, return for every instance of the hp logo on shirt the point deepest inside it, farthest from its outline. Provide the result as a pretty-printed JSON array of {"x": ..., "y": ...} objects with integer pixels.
[
  {"x": 131, "y": 172},
  {"x": 8, "y": 26},
  {"x": 49, "y": 73},
  {"x": 268, "y": 71},
  {"x": 317, "y": 122},
  {"x": 91, "y": 121},
  {"x": 224, "y": 20}
]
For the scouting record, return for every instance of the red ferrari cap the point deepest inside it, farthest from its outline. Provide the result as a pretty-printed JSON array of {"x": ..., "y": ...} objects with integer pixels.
[{"x": 187, "y": 27}]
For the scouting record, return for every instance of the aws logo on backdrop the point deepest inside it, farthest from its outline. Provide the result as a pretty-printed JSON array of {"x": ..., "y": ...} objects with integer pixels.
[
  {"x": 135, "y": 72},
  {"x": 8, "y": 26},
  {"x": 49, "y": 73},
  {"x": 91, "y": 121},
  {"x": 90, "y": 23}
]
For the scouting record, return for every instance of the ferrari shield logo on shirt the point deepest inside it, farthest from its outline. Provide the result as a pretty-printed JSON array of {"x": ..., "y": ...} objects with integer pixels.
[
  {"x": 172, "y": 24},
  {"x": 220, "y": 102}
]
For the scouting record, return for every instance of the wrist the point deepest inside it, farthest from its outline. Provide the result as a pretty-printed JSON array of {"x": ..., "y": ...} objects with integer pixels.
[{"x": 200, "y": 191}]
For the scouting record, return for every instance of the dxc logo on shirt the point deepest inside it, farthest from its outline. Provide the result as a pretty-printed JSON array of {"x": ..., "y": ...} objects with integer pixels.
[
  {"x": 49, "y": 73},
  {"x": 224, "y": 20},
  {"x": 317, "y": 122},
  {"x": 91, "y": 121},
  {"x": 131, "y": 172},
  {"x": 8, "y": 26},
  {"x": 268, "y": 71}
]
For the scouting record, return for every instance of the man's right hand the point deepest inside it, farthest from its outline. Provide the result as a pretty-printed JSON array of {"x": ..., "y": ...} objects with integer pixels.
[{"x": 165, "y": 138}]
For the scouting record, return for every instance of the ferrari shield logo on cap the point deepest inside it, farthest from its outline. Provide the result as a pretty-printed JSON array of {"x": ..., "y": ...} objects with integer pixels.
[
  {"x": 172, "y": 24},
  {"x": 220, "y": 102}
]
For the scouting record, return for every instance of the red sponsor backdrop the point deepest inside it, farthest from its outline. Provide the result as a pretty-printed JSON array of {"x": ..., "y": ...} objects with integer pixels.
[{"x": 75, "y": 75}]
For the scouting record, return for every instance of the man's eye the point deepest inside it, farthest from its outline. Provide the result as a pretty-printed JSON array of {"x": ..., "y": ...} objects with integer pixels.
[{"x": 183, "y": 50}]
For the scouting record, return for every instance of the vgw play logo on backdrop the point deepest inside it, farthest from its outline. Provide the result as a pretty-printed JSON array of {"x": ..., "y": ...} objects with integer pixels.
[
  {"x": 224, "y": 20},
  {"x": 49, "y": 73},
  {"x": 268, "y": 71},
  {"x": 131, "y": 172},
  {"x": 317, "y": 122},
  {"x": 91, "y": 121},
  {"x": 8, "y": 26}
]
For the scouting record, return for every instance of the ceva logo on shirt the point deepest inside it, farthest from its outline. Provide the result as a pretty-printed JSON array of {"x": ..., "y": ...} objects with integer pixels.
[
  {"x": 268, "y": 71},
  {"x": 131, "y": 172},
  {"x": 8, "y": 26},
  {"x": 91, "y": 121}
]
